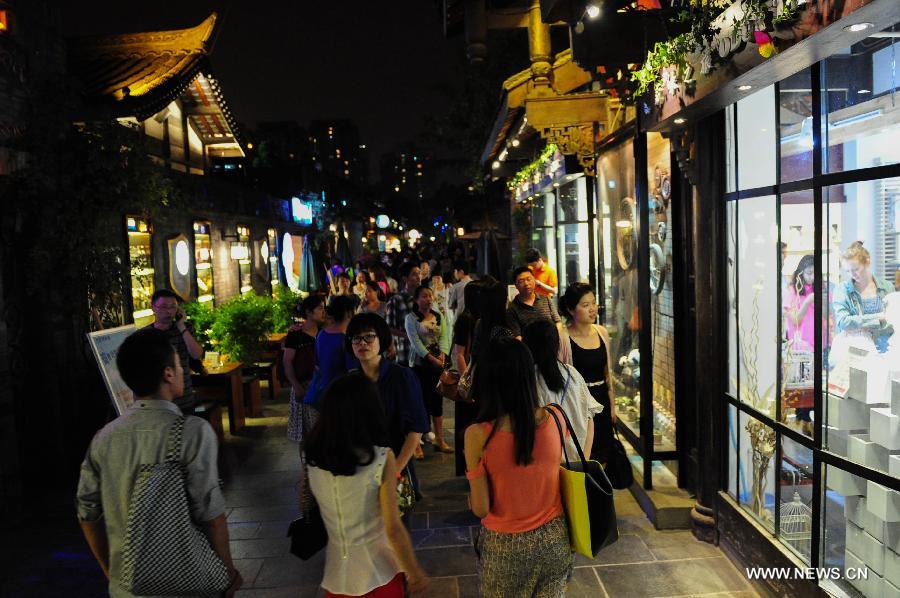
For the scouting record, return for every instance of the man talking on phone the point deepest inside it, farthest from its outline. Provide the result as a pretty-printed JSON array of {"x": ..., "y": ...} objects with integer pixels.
[{"x": 170, "y": 319}]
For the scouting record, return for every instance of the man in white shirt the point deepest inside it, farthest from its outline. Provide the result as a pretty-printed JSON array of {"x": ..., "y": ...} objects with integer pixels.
[{"x": 457, "y": 291}]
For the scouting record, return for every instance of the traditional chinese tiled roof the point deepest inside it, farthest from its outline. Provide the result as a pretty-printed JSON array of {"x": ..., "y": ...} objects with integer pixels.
[{"x": 139, "y": 74}]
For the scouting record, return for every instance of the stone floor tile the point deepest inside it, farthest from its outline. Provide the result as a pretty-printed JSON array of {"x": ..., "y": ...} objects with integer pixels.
[
  {"x": 273, "y": 529},
  {"x": 278, "y": 513},
  {"x": 268, "y": 497},
  {"x": 448, "y": 536},
  {"x": 416, "y": 520},
  {"x": 671, "y": 578},
  {"x": 443, "y": 562},
  {"x": 249, "y": 569},
  {"x": 260, "y": 548},
  {"x": 288, "y": 570},
  {"x": 668, "y": 545},
  {"x": 451, "y": 519},
  {"x": 284, "y": 592},
  {"x": 585, "y": 583},
  {"x": 627, "y": 549},
  {"x": 243, "y": 530},
  {"x": 441, "y": 587},
  {"x": 467, "y": 586}
]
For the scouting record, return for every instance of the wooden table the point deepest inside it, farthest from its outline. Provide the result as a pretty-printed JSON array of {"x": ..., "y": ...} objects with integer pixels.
[{"x": 229, "y": 377}]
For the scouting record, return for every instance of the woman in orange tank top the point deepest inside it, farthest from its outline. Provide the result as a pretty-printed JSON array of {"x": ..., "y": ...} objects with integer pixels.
[{"x": 512, "y": 460}]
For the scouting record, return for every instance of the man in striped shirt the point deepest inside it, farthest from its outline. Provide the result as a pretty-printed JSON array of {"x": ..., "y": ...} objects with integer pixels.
[{"x": 528, "y": 307}]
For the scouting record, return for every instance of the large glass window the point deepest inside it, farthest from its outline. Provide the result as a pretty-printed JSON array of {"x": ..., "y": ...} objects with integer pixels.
[
  {"x": 203, "y": 259},
  {"x": 140, "y": 256},
  {"x": 816, "y": 285},
  {"x": 662, "y": 308},
  {"x": 863, "y": 119},
  {"x": 619, "y": 217},
  {"x": 543, "y": 222},
  {"x": 573, "y": 244}
]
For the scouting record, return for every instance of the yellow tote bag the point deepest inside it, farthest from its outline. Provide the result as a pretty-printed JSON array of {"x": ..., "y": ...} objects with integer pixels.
[{"x": 587, "y": 496}]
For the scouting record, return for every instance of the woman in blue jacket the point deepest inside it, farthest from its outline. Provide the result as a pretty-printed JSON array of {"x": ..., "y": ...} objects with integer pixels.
[{"x": 858, "y": 303}]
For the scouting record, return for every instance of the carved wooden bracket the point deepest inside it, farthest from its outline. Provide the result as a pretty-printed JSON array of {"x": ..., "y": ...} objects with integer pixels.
[
  {"x": 571, "y": 122},
  {"x": 683, "y": 147},
  {"x": 574, "y": 140}
]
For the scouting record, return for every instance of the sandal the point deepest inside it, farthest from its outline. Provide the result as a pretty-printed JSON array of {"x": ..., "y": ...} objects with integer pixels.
[
  {"x": 419, "y": 454},
  {"x": 444, "y": 448}
]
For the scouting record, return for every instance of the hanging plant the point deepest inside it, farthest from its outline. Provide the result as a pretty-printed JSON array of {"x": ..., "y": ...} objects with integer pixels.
[
  {"x": 669, "y": 66},
  {"x": 525, "y": 175}
]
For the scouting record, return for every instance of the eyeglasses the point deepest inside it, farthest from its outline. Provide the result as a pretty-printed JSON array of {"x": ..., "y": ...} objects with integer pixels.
[{"x": 364, "y": 338}]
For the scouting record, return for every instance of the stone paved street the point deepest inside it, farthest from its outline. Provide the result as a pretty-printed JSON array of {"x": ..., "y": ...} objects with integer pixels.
[{"x": 261, "y": 470}]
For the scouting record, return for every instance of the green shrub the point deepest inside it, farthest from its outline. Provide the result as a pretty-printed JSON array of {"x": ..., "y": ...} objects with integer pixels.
[
  {"x": 284, "y": 305},
  {"x": 201, "y": 317},
  {"x": 241, "y": 325}
]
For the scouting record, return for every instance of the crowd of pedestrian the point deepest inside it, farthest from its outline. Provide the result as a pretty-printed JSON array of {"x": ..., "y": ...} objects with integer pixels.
[{"x": 365, "y": 363}]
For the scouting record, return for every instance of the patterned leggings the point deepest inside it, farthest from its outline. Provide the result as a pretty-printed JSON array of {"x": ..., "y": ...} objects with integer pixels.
[{"x": 535, "y": 563}]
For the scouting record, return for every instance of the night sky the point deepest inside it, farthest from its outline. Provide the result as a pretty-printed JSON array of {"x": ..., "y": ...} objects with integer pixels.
[{"x": 385, "y": 64}]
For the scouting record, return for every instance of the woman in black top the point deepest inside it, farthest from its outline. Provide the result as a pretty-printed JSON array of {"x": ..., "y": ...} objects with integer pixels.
[
  {"x": 299, "y": 359},
  {"x": 590, "y": 356}
]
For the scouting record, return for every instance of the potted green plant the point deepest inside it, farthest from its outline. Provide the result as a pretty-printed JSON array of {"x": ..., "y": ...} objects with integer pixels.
[{"x": 240, "y": 327}]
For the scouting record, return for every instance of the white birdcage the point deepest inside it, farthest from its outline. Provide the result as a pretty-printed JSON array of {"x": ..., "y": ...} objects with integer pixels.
[{"x": 796, "y": 524}]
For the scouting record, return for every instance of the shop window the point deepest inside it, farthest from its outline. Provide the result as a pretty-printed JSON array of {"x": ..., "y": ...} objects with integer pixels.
[
  {"x": 731, "y": 290},
  {"x": 240, "y": 252},
  {"x": 618, "y": 215},
  {"x": 543, "y": 232},
  {"x": 730, "y": 149},
  {"x": 662, "y": 308},
  {"x": 203, "y": 258},
  {"x": 140, "y": 255},
  {"x": 795, "y": 102},
  {"x": 733, "y": 433},
  {"x": 573, "y": 244},
  {"x": 795, "y": 487},
  {"x": 758, "y": 284},
  {"x": 862, "y": 352},
  {"x": 756, "y": 139},
  {"x": 799, "y": 297},
  {"x": 756, "y": 470},
  {"x": 272, "y": 243},
  {"x": 860, "y": 105},
  {"x": 860, "y": 536}
]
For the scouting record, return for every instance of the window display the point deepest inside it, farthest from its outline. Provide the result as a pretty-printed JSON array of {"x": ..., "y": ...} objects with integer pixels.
[
  {"x": 543, "y": 223},
  {"x": 662, "y": 309},
  {"x": 242, "y": 255},
  {"x": 272, "y": 243},
  {"x": 203, "y": 258},
  {"x": 615, "y": 189},
  {"x": 785, "y": 269},
  {"x": 573, "y": 244},
  {"x": 140, "y": 255}
]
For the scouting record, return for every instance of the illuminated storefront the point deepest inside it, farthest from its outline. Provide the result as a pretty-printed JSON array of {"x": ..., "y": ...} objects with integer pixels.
[
  {"x": 140, "y": 256},
  {"x": 793, "y": 171},
  {"x": 203, "y": 259},
  {"x": 240, "y": 253}
]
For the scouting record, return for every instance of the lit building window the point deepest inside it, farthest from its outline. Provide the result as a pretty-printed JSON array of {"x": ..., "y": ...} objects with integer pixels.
[
  {"x": 397, "y": 189},
  {"x": 346, "y": 173},
  {"x": 4, "y": 21}
]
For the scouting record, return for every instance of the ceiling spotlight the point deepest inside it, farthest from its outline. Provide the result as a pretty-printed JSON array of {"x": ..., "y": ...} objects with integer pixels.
[
  {"x": 496, "y": 164},
  {"x": 593, "y": 11},
  {"x": 857, "y": 27},
  {"x": 516, "y": 143},
  {"x": 745, "y": 87},
  {"x": 679, "y": 121},
  {"x": 863, "y": 91}
]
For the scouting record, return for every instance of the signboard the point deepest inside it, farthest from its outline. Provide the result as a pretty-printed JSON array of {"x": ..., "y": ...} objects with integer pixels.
[{"x": 105, "y": 345}]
